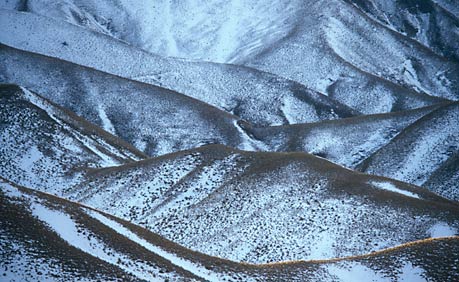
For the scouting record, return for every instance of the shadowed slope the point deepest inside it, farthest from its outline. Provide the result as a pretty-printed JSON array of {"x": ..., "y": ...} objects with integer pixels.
[
  {"x": 426, "y": 21},
  {"x": 155, "y": 120},
  {"x": 48, "y": 148},
  {"x": 420, "y": 150},
  {"x": 335, "y": 49},
  {"x": 256, "y": 96}
]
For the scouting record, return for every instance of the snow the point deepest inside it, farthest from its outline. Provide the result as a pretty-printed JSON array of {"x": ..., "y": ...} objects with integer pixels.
[
  {"x": 355, "y": 271},
  {"x": 420, "y": 159},
  {"x": 442, "y": 229},
  {"x": 106, "y": 123},
  {"x": 391, "y": 187},
  {"x": 421, "y": 151},
  {"x": 30, "y": 158},
  {"x": 67, "y": 229},
  {"x": 244, "y": 206},
  {"x": 89, "y": 143},
  {"x": 410, "y": 273},
  {"x": 190, "y": 266},
  {"x": 26, "y": 267},
  {"x": 256, "y": 94},
  {"x": 247, "y": 142}
]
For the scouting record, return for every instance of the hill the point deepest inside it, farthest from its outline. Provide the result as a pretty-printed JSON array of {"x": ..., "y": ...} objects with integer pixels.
[
  {"x": 262, "y": 207},
  {"x": 47, "y": 147},
  {"x": 87, "y": 245},
  {"x": 253, "y": 95},
  {"x": 426, "y": 148}
]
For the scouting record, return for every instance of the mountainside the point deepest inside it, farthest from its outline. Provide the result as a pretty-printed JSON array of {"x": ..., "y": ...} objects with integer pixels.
[
  {"x": 269, "y": 206},
  {"x": 256, "y": 96},
  {"x": 47, "y": 238},
  {"x": 155, "y": 120},
  {"x": 319, "y": 34},
  {"x": 47, "y": 147},
  {"x": 236, "y": 190},
  {"x": 352, "y": 53},
  {"x": 434, "y": 139},
  {"x": 428, "y": 22},
  {"x": 263, "y": 140},
  {"x": 345, "y": 141}
]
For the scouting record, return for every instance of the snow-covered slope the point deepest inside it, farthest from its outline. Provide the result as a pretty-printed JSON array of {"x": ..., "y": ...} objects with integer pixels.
[
  {"x": 47, "y": 238},
  {"x": 48, "y": 148},
  {"x": 429, "y": 22},
  {"x": 256, "y": 96},
  {"x": 44, "y": 238},
  {"x": 330, "y": 47},
  {"x": 346, "y": 141},
  {"x": 427, "y": 148},
  {"x": 155, "y": 120},
  {"x": 261, "y": 207},
  {"x": 335, "y": 41},
  {"x": 219, "y": 31},
  {"x": 347, "y": 58},
  {"x": 228, "y": 98}
]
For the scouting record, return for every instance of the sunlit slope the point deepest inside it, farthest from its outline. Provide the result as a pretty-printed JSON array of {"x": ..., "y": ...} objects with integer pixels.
[
  {"x": 261, "y": 207},
  {"x": 87, "y": 245}
]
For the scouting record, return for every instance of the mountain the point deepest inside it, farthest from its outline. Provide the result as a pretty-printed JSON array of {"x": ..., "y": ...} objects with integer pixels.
[
  {"x": 260, "y": 140},
  {"x": 255, "y": 96},
  {"x": 44, "y": 237},
  {"x": 353, "y": 57},
  {"x": 321, "y": 69},
  {"x": 346, "y": 141},
  {"x": 155, "y": 120},
  {"x": 237, "y": 191},
  {"x": 48, "y": 238},
  {"x": 428, "y": 22},
  {"x": 262, "y": 207},
  {"x": 47, "y": 147},
  {"x": 427, "y": 148}
]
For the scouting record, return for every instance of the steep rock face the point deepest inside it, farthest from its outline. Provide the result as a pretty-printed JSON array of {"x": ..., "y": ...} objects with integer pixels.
[
  {"x": 268, "y": 206},
  {"x": 427, "y": 148},
  {"x": 48, "y": 148}
]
